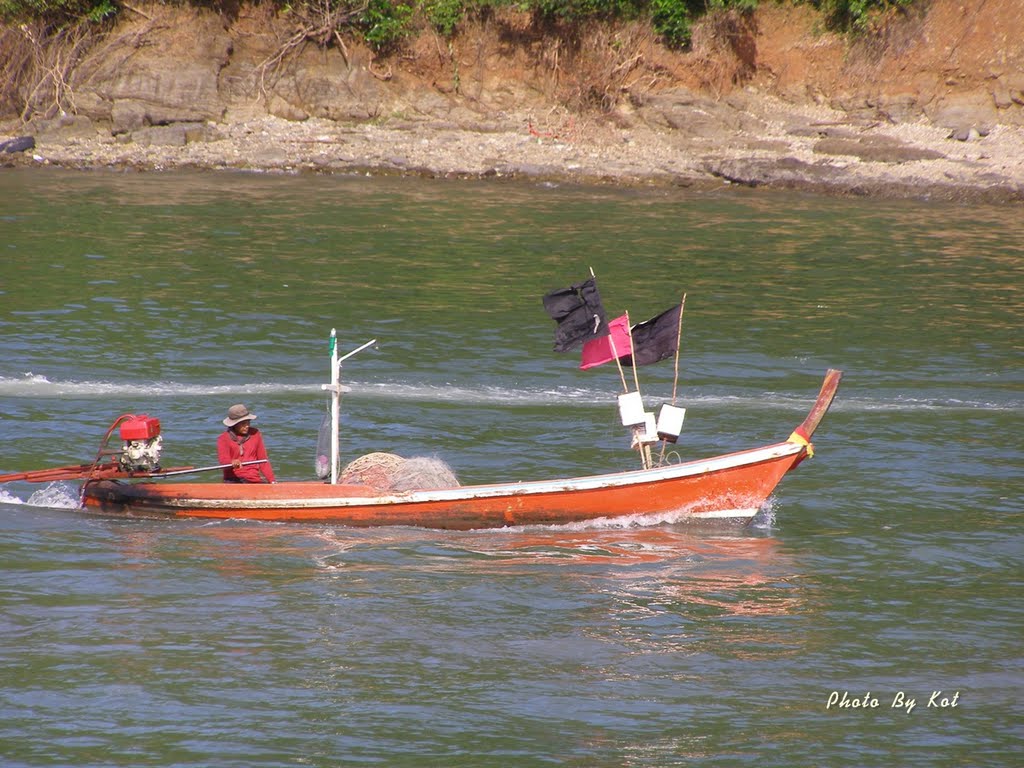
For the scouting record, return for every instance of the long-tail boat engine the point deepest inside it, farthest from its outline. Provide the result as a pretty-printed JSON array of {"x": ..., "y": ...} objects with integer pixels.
[
  {"x": 142, "y": 443},
  {"x": 139, "y": 456}
]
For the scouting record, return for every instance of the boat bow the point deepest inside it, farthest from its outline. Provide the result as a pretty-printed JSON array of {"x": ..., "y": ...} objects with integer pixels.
[{"x": 802, "y": 435}]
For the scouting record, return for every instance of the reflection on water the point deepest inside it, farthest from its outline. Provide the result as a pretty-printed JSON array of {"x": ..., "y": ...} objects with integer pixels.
[{"x": 662, "y": 589}]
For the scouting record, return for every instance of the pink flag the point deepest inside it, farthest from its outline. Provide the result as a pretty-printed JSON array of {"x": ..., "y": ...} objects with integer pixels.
[{"x": 599, "y": 351}]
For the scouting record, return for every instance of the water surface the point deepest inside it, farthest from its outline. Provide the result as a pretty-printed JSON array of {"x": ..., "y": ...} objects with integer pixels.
[{"x": 887, "y": 568}]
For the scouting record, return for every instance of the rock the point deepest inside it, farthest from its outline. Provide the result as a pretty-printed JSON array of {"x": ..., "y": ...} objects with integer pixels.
[
  {"x": 899, "y": 108},
  {"x": 331, "y": 88},
  {"x": 174, "y": 135},
  {"x": 148, "y": 77},
  {"x": 201, "y": 132},
  {"x": 878, "y": 149},
  {"x": 184, "y": 95},
  {"x": 20, "y": 144},
  {"x": 1009, "y": 90},
  {"x": 269, "y": 157},
  {"x": 679, "y": 109},
  {"x": 1008, "y": 96},
  {"x": 856, "y": 105},
  {"x": 65, "y": 128},
  {"x": 280, "y": 107},
  {"x": 127, "y": 116},
  {"x": 964, "y": 114},
  {"x": 788, "y": 172},
  {"x": 160, "y": 135},
  {"x": 965, "y": 134}
]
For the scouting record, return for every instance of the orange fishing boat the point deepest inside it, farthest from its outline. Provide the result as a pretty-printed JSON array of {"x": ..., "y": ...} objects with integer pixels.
[
  {"x": 731, "y": 487},
  {"x": 727, "y": 488}
]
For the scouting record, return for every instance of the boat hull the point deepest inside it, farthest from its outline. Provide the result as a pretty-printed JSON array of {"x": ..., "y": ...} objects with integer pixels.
[{"x": 729, "y": 488}]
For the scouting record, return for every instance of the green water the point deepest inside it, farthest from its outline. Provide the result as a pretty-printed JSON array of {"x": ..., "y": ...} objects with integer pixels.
[{"x": 887, "y": 568}]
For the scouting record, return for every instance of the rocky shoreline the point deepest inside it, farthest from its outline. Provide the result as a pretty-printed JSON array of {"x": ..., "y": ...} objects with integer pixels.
[
  {"x": 934, "y": 111},
  {"x": 812, "y": 149}
]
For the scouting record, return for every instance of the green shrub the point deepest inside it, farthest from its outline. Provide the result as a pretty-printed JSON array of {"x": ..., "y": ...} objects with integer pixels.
[
  {"x": 582, "y": 10},
  {"x": 673, "y": 21},
  {"x": 856, "y": 15},
  {"x": 56, "y": 10},
  {"x": 385, "y": 22},
  {"x": 740, "y": 5},
  {"x": 444, "y": 15}
]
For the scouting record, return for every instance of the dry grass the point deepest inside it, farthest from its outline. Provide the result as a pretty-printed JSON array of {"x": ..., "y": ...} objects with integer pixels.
[
  {"x": 35, "y": 77},
  {"x": 316, "y": 22},
  {"x": 609, "y": 63},
  {"x": 725, "y": 50}
]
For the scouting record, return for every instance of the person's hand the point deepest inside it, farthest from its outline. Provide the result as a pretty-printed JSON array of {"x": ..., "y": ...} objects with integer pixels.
[{"x": 237, "y": 463}]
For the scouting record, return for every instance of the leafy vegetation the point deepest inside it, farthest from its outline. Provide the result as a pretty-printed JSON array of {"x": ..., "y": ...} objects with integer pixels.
[
  {"x": 857, "y": 15},
  {"x": 60, "y": 11},
  {"x": 385, "y": 23},
  {"x": 445, "y": 15}
]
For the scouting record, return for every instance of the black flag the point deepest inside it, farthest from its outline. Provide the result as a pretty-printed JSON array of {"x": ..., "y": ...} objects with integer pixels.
[
  {"x": 655, "y": 339},
  {"x": 579, "y": 314}
]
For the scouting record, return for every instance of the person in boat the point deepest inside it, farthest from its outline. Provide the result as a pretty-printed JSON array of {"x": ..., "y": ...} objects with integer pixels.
[{"x": 242, "y": 442}]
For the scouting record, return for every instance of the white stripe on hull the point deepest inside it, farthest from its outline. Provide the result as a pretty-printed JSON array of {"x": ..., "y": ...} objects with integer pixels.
[{"x": 510, "y": 490}]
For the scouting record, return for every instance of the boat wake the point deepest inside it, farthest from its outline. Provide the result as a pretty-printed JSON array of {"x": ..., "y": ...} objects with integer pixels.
[
  {"x": 764, "y": 520},
  {"x": 31, "y": 385},
  {"x": 732, "y": 519},
  {"x": 53, "y": 496},
  {"x": 35, "y": 386}
]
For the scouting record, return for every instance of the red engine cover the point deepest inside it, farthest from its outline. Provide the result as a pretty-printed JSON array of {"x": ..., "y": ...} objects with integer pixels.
[{"x": 140, "y": 428}]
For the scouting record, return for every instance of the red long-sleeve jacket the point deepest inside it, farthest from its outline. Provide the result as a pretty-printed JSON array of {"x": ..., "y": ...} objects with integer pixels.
[{"x": 249, "y": 448}]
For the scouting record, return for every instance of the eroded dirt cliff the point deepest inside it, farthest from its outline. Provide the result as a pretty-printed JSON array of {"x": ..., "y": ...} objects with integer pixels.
[{"x": 931, "y": 104}]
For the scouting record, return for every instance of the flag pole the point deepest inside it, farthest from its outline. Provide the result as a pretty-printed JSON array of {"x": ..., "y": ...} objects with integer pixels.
[
  {"x": 679, "y": 342},
  {"x": 629, "y": 332},
  {"x": 611, "y": 341},
  {"x": 675, "y": 380},
  {"x": 645, "y": 450},
  {"x": 615, "y": 354}
]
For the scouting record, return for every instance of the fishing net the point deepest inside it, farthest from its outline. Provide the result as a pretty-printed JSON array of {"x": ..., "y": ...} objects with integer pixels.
[
  {"x": 388, "y": 472},
  {"x": 423, "y": 474},
  {"x": 373, "y": 469}
]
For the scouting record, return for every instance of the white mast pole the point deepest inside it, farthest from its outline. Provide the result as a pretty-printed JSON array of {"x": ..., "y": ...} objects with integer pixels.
[
  {"x": 335, "y": 406},
  {"x": 335, "y": 388}
]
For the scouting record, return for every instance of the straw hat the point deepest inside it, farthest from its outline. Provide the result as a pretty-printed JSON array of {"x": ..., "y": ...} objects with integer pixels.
[{"x": 237, "y": 413}]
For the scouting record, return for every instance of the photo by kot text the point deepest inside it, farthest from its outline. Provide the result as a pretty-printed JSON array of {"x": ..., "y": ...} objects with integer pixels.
[{"x": 900, "y": 700}]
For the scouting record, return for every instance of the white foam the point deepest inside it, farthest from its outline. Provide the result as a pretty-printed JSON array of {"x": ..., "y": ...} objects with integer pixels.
[
  {"x": 642, "y": 520},
  {"x": 764, "y": 520},
  {"x": 8, "y": 498},
  {"x": 59, "y": 495},
  {"x": 35, "y": 386},
  {"x": 32, "y": 385}
]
